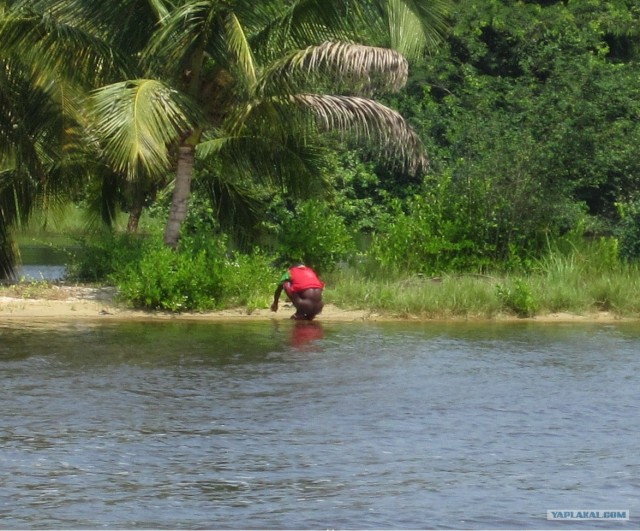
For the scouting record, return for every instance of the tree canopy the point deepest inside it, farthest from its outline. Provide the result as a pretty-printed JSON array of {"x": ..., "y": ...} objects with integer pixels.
[{"x": 528, "y": 111}]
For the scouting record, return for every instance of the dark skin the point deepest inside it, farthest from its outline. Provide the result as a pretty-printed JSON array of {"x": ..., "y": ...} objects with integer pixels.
[{"x": 308, "y": 303}]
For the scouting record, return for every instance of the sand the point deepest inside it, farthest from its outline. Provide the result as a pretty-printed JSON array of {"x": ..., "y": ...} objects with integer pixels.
[
  {"x": 61, "y": 302},
  {"x": 74, "y": 302}
]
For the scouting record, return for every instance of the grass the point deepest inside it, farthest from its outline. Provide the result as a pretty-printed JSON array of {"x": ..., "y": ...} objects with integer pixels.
[
  {"x": 448, "y": 296},
  {"x": 572, "y": 290},
  {"x": 581, "y": 281},
  {"x": 453, "y": 296}
]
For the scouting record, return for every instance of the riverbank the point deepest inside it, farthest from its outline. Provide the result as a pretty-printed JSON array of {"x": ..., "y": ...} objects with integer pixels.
[
  {"x": 57, "y": 302},
  {"x": 66, "y": 302}
]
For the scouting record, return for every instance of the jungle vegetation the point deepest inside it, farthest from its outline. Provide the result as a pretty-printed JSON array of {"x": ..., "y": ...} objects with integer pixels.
[{"x": 384, "y": 139}]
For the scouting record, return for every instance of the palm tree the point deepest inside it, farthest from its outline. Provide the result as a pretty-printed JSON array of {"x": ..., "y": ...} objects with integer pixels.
[
  {"x": 222, "y": 98},
  {"x": 219, "y": 80},
  {"x": 44, "y": 156},
  {"x": 40, "y": 139}
]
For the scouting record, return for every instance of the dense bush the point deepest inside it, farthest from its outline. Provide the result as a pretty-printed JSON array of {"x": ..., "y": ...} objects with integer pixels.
[
  {"x": 97, "y": 257},
  {"x": 456, "y": 224},
  {"x": 189, "y": 279},
  {"x": 629, "y": 230},
  {"x": 202, "y": 275},
  {"x": 315, "y": 235}
]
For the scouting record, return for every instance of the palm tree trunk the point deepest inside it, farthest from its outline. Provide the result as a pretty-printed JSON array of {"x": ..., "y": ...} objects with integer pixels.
[
  {"x": 181, "y": 191},
  {"x": 135, "y": 212}
]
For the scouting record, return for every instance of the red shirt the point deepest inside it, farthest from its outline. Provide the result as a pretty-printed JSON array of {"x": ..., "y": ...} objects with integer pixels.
[{"x": 302, "y": 278}]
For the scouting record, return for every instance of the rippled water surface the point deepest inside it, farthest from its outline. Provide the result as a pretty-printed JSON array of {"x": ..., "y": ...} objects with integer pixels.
[{"x": 265, "y": 425}]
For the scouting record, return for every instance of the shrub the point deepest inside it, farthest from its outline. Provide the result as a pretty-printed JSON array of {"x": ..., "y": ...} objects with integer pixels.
[
  {"x": 629, "y": 231},
  {"x": 201, "y": 275},
  {"x": 517, "y": 298},
  {"x": 249, "y": 280},
  {"x": 95, "y": 259},
  {"x": 315, "y": 235},
  {"x": 425, "y": 239},
  {"x": 163, "y": 279}
]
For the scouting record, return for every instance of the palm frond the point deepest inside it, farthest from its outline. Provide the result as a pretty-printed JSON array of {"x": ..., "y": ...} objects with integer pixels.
[
  {"x": 160, "y": 8},
  {"x": 238, "y": 204},
  {"x": 60, "y": 49},
  {"x": 369, "y": 121},
  {"x": 25, "y": 117},
  {"x": 300, "y": 23},
  {"x": 416, "y": 26},
  {"x": 181, "y": 32},
  {"x": 291, "y": 162},
  {"x": 238, "y": 45},
  {"x": 364, "y": 67},
  {"x": 136, "y": 121},
  {"x": 132, "y": 20}
]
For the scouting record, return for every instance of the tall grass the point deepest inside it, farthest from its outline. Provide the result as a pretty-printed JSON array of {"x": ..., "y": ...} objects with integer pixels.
[
  {"x": 576, "y": 277},
  {"x": 580, "y": 280},
  {"x": 442, "y": 297}
]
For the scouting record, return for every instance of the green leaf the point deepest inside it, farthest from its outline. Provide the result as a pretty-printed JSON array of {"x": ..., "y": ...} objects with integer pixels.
[{"x": 135, "y": 122}]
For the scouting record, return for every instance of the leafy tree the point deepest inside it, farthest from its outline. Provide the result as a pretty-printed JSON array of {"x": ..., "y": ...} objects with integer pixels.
[
  {"x": 529, "y": 113},
  {"x": 202, "y": 83},
  {"x": 231, "y": 104}
]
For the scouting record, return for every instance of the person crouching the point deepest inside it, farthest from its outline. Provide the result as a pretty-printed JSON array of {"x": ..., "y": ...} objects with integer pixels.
[{"x": 304, "y": 289}]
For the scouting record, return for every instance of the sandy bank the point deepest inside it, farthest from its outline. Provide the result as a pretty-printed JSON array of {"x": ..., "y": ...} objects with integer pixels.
[
  {"x": 74, "y": 302},
  {"x": 79, "y": 302}
]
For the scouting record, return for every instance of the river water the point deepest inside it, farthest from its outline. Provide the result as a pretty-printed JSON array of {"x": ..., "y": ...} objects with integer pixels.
[
  {"x": 42, "y": 262},
  {"x": 270, "y": 425}
]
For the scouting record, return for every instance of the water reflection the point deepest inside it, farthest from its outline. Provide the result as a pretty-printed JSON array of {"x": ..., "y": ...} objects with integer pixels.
[{"x": 305, "y": 335}]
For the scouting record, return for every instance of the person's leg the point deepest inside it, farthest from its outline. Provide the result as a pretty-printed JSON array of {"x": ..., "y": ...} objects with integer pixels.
[{"x": 308, "y": 304}]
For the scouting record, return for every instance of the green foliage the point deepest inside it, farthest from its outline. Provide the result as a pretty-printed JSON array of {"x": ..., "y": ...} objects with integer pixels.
[
  {"x": 315, "y": 235},
  {"x": 97, "y": 257},
  {"x": 249, "y": 280},
  {"x": 453, "y": 226},
  {"x": 415, "y": 295},
  {"x": 189, "y": 279},
  {"x": 517, "y": 298},
  {"x": 201, "y": 275},
  {"x": 577, "y": 252},
  {"x": 629, "y": 230},
  {"x": 359, "y": 193},
  {"x": 407, "y": 242},
  {"x": 531, "y": 109},
  {"x": 580, "y": 285}
]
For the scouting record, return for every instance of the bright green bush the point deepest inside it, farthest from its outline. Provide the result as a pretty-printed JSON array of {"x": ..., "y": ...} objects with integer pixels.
[
  {"x": 430, "y": 237},
  {"x": 315, "y": 235},
  {"x": 629, "y": 231},
  {"x": 163, "y": 279},
  {"x": 517, "y": 298},
  {"x": 249, "y": 280},
  {"x": 201, "y": 275}
]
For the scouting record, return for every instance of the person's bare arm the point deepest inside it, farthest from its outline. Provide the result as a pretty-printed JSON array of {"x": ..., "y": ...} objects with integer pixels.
[{"x": 276, "y": 298}]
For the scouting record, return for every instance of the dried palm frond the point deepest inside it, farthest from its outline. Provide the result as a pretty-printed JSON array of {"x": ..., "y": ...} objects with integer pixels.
[
  {"x": 369, "y": 120},
  {"x": 371, "y": 67}
]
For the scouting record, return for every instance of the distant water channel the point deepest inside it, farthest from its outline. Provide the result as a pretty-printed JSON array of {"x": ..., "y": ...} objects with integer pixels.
[
  {"x": 42, "y": 262},
  {"x": 143, "y": 425}
]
